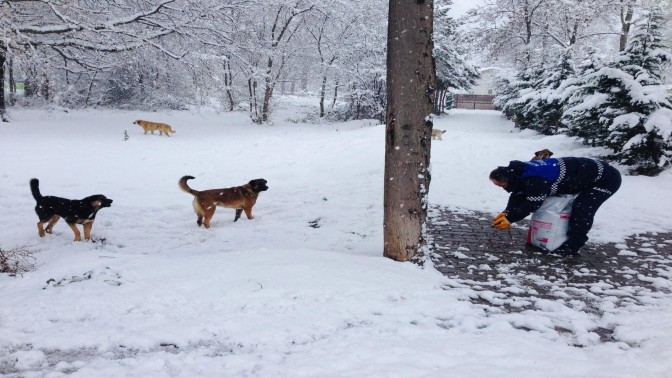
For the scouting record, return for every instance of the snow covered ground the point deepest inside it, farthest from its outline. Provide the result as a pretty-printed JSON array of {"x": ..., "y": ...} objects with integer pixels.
[{"x": 156, "y": 296}]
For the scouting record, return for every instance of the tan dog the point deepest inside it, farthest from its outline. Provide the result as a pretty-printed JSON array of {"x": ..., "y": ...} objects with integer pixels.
[
  {"x": 240, "y": 198},
  {"x": 543, "y": 154},
  {"x": 437, "y": 134},
  {"x": 162, "y": 128}
]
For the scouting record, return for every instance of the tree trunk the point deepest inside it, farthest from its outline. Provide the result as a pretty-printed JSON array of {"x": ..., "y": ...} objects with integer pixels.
[
  {"x": 323, "y": 90},
  {"x": 410, "y": 94},
  {"x": 228, "y": 83},
  {"x": 268, "y": 92},
  {"x": 333, "y": 102},
  {"x": 254, "y": 109},
  {"x": 3, "y": 104},
  {"x": 439, "y": 101},
  {"x": 626, "y": 21},
  {"x": 12, "y": 81}
]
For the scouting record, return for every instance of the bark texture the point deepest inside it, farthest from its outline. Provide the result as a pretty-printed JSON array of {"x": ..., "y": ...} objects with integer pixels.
[{"x": 410, "y": 99}]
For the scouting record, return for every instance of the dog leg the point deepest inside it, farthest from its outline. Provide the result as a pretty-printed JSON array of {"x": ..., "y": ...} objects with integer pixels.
[
  {"x": 238, "y": 213},
  {"x": 206, "y": 220},
  {"x": 40, "y": 228},
  {"x": 87, "y": 230},
  {"x": 248, "y": 212},
  {"x": 78, "y": 236},
  {"x": 52, "y": 222},
  {"x": 145, "y": 132},
  {"x": 208, "y": 213},
  {"x": 198, "y": 209}
]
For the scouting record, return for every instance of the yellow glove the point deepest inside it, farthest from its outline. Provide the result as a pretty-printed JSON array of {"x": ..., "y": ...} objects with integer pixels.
[{"x": 500, "y": 222}]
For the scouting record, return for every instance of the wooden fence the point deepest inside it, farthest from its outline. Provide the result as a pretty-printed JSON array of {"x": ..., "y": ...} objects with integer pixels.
[{"x": 473, "y": 102}]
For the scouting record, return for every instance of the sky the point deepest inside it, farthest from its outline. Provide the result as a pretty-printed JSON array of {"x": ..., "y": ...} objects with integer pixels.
[
  {"x": 301, "y": 290},
  {"x": 460, "y": 7}
]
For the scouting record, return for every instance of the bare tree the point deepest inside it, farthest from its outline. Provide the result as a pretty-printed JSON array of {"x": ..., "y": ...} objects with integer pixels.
[
  {"x": 410, "y": 95},
  {"x": 262, "y": 46},
  {"x": 82, "y": 38},
  {"x": 334, "y": 29},
  {"x": 522, "y": 32},
  {"x": 282, "y": 30}
]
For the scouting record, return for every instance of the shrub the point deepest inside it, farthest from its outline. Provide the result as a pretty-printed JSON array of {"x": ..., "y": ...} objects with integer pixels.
[{"x": 16, "y": 260}]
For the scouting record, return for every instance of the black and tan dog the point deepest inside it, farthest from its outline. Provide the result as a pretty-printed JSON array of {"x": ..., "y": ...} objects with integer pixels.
[
  {"x": 240, "y": 198},
  {"x": 50, "y": 209}
]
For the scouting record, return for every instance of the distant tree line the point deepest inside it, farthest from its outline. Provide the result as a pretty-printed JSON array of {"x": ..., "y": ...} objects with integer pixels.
[
  {"x": 234, "y": 54},
  {"x": 610, "y": 89}
]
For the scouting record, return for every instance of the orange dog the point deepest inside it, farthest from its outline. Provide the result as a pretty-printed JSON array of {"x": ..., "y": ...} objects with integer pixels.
[{"x": 162, "y": 128}]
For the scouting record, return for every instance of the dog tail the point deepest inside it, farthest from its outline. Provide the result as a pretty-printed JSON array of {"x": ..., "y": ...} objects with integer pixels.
[
  {"x": 35, "y": 189},
  {"x": 185, "y": 187}
]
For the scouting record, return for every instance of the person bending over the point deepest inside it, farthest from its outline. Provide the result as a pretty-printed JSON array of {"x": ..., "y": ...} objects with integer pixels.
[{"x": 531, "y": 182}]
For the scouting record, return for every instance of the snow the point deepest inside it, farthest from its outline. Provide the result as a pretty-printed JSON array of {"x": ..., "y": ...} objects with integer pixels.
[
  {"x": 302, "y": 290},
  {"x": 660, "y": 119}
]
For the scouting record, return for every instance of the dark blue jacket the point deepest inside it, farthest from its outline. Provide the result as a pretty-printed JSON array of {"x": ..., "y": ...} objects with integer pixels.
[{"x": 531, "y": 182}]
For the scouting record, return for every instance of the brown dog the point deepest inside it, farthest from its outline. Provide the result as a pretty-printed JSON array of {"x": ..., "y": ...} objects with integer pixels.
[
  {"x": 543, "y": 154},
  {"x": 437, "y": 134},
  {"x": 240, "y": 198},
  {"x": 162, "y": 128}
]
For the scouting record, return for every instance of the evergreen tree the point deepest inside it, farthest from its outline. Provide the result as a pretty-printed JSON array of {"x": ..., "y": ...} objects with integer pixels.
[
  {"x": 505, "y": 92},
  {"x": 581, "y": 121},
  {"x": 453, "y": 71},
  {"x": 579, "y": 94},
  {"x": 545, "y": 104},
  {"x": 639, "y": 131},
  {"x": 520, "y": 93},
  {"x": 623, "y": 105}
]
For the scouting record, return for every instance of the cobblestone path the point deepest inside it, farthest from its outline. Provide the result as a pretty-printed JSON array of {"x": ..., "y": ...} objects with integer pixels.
[{"x": 506, "y": 275}]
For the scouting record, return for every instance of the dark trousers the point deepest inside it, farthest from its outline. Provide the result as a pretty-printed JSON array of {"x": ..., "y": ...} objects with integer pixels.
[{"x": 586, "y": 205}]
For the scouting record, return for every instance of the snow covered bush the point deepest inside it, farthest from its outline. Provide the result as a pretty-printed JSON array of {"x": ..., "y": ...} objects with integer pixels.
[{"x": 16, "y": 260}]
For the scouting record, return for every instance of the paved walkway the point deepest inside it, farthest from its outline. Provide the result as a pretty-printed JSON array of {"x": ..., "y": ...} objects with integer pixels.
[{"x": 464, "y": 248}]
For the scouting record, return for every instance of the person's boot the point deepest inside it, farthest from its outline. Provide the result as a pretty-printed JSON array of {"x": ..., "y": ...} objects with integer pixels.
[{"x": 566, "y": 250}]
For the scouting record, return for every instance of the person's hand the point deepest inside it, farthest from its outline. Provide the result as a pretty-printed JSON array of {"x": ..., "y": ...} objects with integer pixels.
[{"x": 500, "y": 222}]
